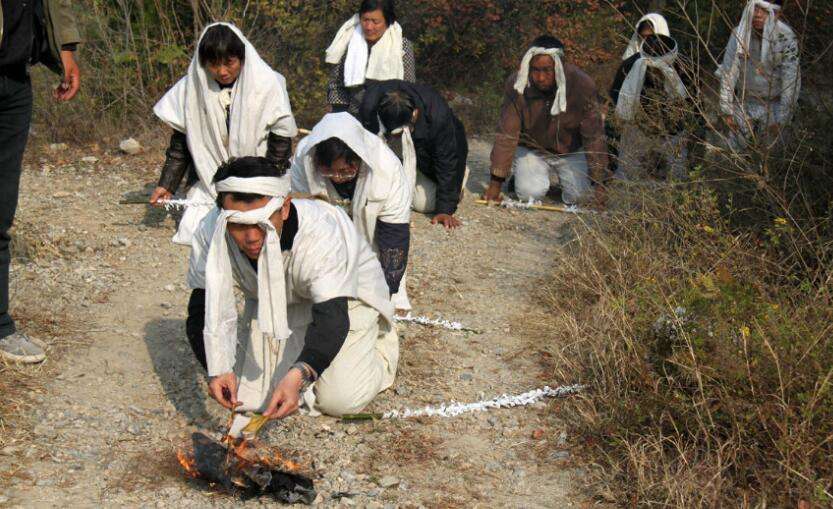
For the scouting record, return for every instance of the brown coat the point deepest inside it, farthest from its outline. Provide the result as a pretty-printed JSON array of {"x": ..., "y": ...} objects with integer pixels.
[{"x": 525, "y": 119}]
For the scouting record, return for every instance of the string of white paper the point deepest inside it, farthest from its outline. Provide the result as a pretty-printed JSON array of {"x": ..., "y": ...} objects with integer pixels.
[
  {"x": 454, "y": 409},
  {"x": 179, "y": 203},
  {"x": 433, "y": 322},
  {"x": 531, "y": 204}
]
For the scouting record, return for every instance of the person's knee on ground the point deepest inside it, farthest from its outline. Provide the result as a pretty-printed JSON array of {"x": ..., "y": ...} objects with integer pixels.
[
  {"x": 425, "y": 195},
  {"x": 336, "y": 398},
  {"x": 532, "y": 175}
]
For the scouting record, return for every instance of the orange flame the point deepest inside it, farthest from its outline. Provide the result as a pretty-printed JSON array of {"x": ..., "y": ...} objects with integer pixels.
[{"x": 189, "y": 464}]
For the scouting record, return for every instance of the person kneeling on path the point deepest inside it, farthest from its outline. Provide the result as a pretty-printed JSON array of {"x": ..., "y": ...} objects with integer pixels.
[
  {"x": 433, "y": 141},
  {"x": 653, "y": 110},
  {"x": 341, "y": 160},
  {"x": 317, "y": 319},
  {"x": 551, "y": 120}
]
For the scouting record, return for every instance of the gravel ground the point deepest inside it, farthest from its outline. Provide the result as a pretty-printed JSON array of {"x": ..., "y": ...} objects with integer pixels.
[{"x": 98, "y": 423}]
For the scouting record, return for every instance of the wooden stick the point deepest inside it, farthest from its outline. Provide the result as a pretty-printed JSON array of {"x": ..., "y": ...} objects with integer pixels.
[{"x": 551, "y": 208}]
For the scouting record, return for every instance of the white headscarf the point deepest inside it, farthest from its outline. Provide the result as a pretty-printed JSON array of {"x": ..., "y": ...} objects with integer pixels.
[
  {"x": 629, "y": 94},
  {"x": 660, "y": 28},
  {"x": 196, "y": 106},
  {"x": 559, "y": 105},
  {"x": 384, "y": 61},
  {"x": 220, "y": 331},
  {"x": 378, "y": 172}
]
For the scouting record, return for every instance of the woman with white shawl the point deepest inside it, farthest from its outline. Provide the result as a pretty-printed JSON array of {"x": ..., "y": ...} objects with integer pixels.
[
  {"x": 342, "y": 161},
  {"x": 653, "y": 111},
  {"x": 649, "y": 24},
  {"x": 229, "y": 104},
  {"x": 368, "y": 47}
]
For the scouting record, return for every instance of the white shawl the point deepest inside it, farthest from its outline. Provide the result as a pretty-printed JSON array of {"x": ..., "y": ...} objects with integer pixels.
[
  {"x": 559, "y": 105},
  {"x": 660, "y": 28},
  {"x": 381, "y": 170},
  {"x": 631, "y": 90},
  {"x": 220, "y": 331},
  {"x": 196, "y": 106},
  {"x": 409, "y": 156},
  {"x": 385, "y": 58}
]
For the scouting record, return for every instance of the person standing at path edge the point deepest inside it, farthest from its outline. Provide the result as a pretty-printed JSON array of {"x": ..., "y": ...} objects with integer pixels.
[
  {"x": 551, "y": 122},
  {"x": 318, "y": 322},
  {"x": 31, "y": 32}
]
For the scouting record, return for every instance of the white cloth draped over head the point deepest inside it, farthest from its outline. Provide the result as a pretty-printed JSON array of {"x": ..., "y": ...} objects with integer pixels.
[
  {"x": 743, "y": 34},
  {"x": 409, "y": 156},
  {"x": 383, "y": 61},
  {"x": 380, "y": 170},
  {"x": 220, "y": 333},
  {"x": 559, "y": 105},
  {"x": 628, "y": 102},
  {"x": 196, "y": 106},
  {"x": 660, "y": 28}
]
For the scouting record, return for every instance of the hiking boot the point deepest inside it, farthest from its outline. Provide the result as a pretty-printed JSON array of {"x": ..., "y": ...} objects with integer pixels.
[{"x": 19, "y": 347}]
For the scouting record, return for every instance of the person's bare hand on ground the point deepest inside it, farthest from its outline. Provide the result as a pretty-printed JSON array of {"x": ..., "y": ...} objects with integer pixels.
[
  {"x": 72, "y": 78},
  {"x": 160, "y": 194},
  {"x": 286, "y": 397},
  {"x": 223, "y": 388},
  {"x": 492, "y": 192},
  {"x": 449, "y": 221}
]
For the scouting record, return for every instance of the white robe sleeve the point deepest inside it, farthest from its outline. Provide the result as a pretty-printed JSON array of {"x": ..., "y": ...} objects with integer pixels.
[
  {"x": 396, "y": 208},
  {"x": 285, "y": 124},
  {"x": 728, "y": 74},
  {"x": 790, "y": 79},
  {"x": 199, "y": 250}
]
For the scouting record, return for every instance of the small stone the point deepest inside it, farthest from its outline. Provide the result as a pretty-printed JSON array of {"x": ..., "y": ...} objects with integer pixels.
[
  {"x": 351, "y": 430},
  {"x": 493, "y": 421},
  {"x": 8, "y": 451},
  {"x": 348, "y": 475},
  {"x": 130, "y": 146},
  {"x": 467, "y": 377},
  {"x": 538, "y": 434},
  {"x": 375, "y": 492},
  {"x": 560, "y": 455},
  {"x": 3, "y": 499},
  {"x": 124, "y": 242},
  {"x": 388, "y": 481},
  {"x": 170, "y": 288},
  {"x": 57, "y": 147},
  {"x": 402, "y": 391},
  {"x": 89, "y": 159}
]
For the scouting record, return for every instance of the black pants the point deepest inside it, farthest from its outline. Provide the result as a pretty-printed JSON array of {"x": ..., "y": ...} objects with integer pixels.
[{"x": 15, "y": 117}]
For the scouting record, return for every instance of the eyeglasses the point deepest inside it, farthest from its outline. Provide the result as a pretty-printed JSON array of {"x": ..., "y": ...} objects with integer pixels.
[{"x": 343, "y": 172}]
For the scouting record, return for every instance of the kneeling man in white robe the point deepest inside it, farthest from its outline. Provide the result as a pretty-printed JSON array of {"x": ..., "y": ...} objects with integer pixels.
[{"x": 317, "y": 325}]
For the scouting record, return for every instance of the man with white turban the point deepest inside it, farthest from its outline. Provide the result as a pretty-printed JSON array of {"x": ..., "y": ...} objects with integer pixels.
[
  {"x": 760, "y": 77},
  {"x": 317, "y": 322},
  {"x": 649, "y": 24},
  {"x": 653, "y": 111},
  {"x": 342, "y": 161},
  {"x": 551, "y": 125}
]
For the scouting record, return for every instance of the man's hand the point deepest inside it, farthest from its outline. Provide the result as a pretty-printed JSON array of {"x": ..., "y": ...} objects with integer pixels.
[
  {"x": 160, "y": 193},
  {"x": 729, "y": 120},
  {"x": 493, "y": 192},
  {"x": 449, "y": 221},
  {"x": 223, "y": 388},
  {"x": 286, "y": 398},
  {"x": 72, "y": 78}
]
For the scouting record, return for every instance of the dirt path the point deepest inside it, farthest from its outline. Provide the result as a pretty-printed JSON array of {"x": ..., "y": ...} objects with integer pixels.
[{"x": 123, "y": 387}]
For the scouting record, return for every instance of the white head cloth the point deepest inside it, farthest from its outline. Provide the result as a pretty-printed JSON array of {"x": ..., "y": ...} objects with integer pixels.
[
  {"x": 409, "y": 156},
  {"x": 559, "y": 105},
  {"x": 378, "y": 173},
  {"x": 382, "y": 62},
  {"x": 631, "y": 90},
  {"x": 744, "y": 30},
  {"x": 196, "y": 106},
  {"x": 220, "y": 331},
  {"x": 660, "y": 28}
]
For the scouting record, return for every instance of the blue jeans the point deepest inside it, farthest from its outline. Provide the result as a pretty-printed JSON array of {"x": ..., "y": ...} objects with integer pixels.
[{"x": 15, "y": 117}]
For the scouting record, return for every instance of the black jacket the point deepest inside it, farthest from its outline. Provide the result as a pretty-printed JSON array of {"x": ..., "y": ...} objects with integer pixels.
[
  {"x": 439, "y": 137},
  {"x": 672, "y": 119}
]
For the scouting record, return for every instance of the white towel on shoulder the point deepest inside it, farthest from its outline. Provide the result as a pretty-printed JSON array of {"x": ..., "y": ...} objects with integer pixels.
[{"x": 384, "y": 61}]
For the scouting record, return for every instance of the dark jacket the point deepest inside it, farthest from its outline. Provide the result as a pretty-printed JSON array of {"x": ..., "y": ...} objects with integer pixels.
[
  {"x": 525, "y": 119},
  {"x": 55, "y": 29},
  {"x": 663, "y": 116},
  {"x": 439, "y": 137}
]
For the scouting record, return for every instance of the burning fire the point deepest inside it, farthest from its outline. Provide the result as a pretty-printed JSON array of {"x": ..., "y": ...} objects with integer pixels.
[{"x": 189, "y": 464}]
